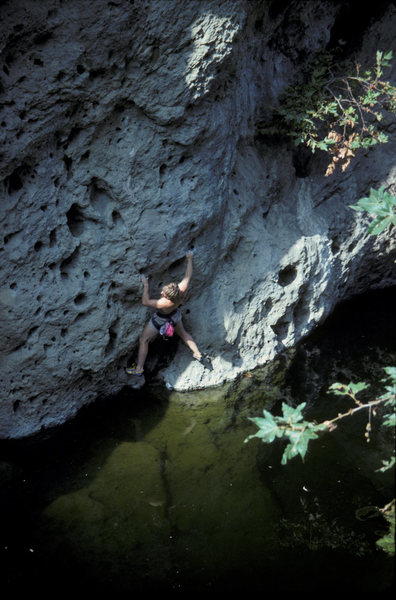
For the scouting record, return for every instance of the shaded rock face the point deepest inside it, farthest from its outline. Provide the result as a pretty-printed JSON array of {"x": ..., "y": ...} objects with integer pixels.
[{"x": 127, "y": 137}]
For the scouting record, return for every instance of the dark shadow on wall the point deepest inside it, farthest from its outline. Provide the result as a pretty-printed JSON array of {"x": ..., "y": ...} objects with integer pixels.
[
  {"x": 352, "y": 21},
  {"x": 359, "y": 328}
]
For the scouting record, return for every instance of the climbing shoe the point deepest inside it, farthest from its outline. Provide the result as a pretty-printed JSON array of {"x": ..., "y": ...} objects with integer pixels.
[{"x": 134, "y": 371}]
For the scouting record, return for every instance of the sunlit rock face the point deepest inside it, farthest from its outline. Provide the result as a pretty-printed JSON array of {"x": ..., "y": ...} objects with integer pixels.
[{"x": 128, "y": 135}]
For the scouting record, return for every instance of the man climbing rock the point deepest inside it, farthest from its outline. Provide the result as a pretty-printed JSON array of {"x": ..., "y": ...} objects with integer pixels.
[{"x": 167, "y": 311}]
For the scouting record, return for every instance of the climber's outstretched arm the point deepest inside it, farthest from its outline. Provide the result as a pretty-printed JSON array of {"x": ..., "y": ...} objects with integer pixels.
[{"x": 183, "y": 285}]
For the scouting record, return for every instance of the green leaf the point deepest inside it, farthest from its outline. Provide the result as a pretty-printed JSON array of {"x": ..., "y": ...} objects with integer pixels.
[
  {"x": 391, "y": 372},
  {"x": 268, "y": 428},
  {"x": 358, "y": 387},
  {"x": 299, "y": 441},
  {"x": 380, "y": 224},
  {"x": 382, "y": 137},
  {"x": 382, "y": 206},
  {"x": 390, "y": 420},
  {"x": 340, "y": 389},
  {"x": 387, "y": 464},
  {"x": 293, "y": 415},
  {"x": 371, "y": 205},
  {"x": 323, "y": 145}
]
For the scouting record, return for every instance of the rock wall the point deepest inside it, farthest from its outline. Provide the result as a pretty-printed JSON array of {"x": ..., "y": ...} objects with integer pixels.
[{"x": 127, "y": 137}]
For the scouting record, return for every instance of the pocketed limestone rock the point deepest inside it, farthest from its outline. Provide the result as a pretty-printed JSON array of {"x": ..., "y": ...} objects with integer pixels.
[{"x": 128, "y": 135}]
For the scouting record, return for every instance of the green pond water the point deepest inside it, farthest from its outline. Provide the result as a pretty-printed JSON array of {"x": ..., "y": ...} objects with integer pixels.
[{"x": 157, "y": 491}]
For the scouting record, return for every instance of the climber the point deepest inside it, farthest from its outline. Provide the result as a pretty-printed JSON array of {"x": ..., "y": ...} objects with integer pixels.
[{"x": 167, "y": 308}]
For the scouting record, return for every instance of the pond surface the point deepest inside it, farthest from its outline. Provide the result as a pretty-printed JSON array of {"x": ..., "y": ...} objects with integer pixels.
[{"x": 157, "y": 491}]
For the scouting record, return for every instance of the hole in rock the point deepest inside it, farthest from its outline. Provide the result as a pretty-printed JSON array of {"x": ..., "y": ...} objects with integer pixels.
[
  {"x": 96, "y": 73},
  {"x": 80, "y": 299},
  {"x": 116, "y": 218},
  {"x": 112, "y": 339},
  {"x": 7, "y": 238},
  {"x": 351, "y": 247},
  {"x": 287, "y": 275},
  {"x": 335, "y": 245},
  {"x": 281, "y": 328},
  {"x": 68, "y": 162},
  {"x": 73, "y": 134},
  {"x": 176, "y": 264},
  {"x": 302, "y": 162},
  {"x": 75, "y": 220},
  {"x": 14, "y": 181},
  {"x": 41, "y": 38}
]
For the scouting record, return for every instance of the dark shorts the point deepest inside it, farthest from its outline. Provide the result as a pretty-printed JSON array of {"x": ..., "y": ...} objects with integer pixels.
[{"x": 157, "y": 320}]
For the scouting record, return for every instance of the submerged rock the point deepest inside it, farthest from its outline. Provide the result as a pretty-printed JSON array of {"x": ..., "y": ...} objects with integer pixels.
[{"x": 128, "y": 135}]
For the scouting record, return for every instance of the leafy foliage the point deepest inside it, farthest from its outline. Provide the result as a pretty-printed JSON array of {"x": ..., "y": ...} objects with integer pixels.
[
  {"x": 339, "y": 109},
  {"x": 290, "y": 426},
  {"x": 382, "y": 206},
  {"x": 298, "y": 432},
  {"x": 339, "y": 113},
  {"x": 387, "y": 542}
]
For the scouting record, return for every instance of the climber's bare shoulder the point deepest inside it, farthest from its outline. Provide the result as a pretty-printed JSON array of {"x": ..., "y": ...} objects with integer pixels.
[{"x": 162, "y": 304}]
